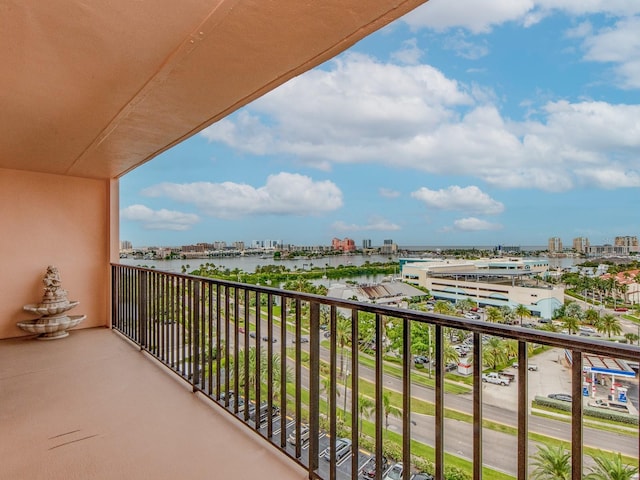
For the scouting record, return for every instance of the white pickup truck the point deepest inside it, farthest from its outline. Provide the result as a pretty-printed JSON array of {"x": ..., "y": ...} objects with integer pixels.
[{"x": 496, "y": 378}]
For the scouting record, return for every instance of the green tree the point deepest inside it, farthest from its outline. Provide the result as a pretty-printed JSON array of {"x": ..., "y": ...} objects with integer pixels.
[
  {"x": 466, "y": 304},
  {"x": 443, "y": 307},
  {"x": 591, "y": 316},
  {"x": 631, "y": 337},
  {"x": 389, "y": 408},
  {"x": 494, "y": 352},
  {"x": 365, "y": 408},
  {"x": 571, "y": 324},
  {"x": 609, "y": 324},
  {"x": 494, "y": 315},
  {"x": 551, "y": 463},
  {"x": 522, "y": 312},
  {"x": 610, "y": 468}
]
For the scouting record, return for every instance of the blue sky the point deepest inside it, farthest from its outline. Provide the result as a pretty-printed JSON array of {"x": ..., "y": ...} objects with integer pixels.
[{"x": 501, "y": 122}]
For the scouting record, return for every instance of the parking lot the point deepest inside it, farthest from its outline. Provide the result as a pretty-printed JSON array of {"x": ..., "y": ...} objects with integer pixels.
[{"x": 343, "y": 465}]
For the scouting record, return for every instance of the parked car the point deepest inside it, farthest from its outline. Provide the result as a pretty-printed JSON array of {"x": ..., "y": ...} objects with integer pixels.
[
  {"x": 621, "y": 309},
  {"x": 394, "y": 473},
  {"x": 302, "y": 340},
  {"x": 565, "y": 397},
  {"x": 495, "y": 377},
  {"x": 532, "y": 367},
  {"x": 252, "y": 334},
  {"x": 472, "y": 316},
  {"x": 264, "y": 412},
  {"x": 369, "y": 469},
  {"x": 618, "y": 407},
  {"x": 266, "y": 339},
  {"x": 421, "y": 476},
  {"x": 420, "y": 360},
  {"x": 304, "y": 435},
  {"x": 343, "y": 448}
]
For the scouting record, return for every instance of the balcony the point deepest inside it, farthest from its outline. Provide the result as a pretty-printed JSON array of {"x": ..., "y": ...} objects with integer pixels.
[
  {"x": 93, "y": 406},
  {"x": 198, "y": 328}
]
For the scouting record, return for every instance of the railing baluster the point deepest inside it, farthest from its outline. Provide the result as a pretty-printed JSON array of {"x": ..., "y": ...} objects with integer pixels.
[
  {"x": 314, "y": 384},
  {"x": 298, "y": 373},
  {"x": 576, "y": 415},
  {"x": 247, "y": 373},
  {"x": 283, "y": 372},
  {"x": 523, "y": 411},
  {"x": 379, "y": 371},
  {"x": 406, "y": 392},
  {"x": 258, "y": 370},
  {"x": 331, "y": 397},
  {"x": 477, "y": 406},
  {"x": 355, "y": 387},
  {"x": 439, "y": 399},
  {"x": 270, "y": 338},
  {"x": 195, "y": 343}
]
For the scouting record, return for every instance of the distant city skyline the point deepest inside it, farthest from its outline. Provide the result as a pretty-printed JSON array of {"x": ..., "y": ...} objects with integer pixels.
[{"x": 464, "y": 123}]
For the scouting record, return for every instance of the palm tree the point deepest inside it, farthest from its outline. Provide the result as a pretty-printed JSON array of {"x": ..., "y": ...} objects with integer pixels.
[
  {"x": 494, "y": 352},
  {"x": 609, "y": 324},
  {"x": 494, "y": 314},
  {"x": 389, "y": 408},
  {"x": 571, "y": 324},
  {"x": 466, "y": 304},
  {"x": 522, "y": 312},
  {"x": 326, "y": 388},
  {"x": 443, "y": 307},
  {"x": 631, "y": 337},
  {"x": 608, "y": 468},
  {"x": 551, "y": 463},
  {"x": 591, "y": 316},
  {"x": 343, "y": 337},
  {"x": 365, "y": 408}
]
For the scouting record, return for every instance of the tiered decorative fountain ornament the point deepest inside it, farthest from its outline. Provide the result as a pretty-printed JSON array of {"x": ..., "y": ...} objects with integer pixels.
[{"x": 53, "y": 323}]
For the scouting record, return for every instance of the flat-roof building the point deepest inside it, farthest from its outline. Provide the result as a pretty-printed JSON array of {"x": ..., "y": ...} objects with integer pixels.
[{"x": 493, "y": 282}]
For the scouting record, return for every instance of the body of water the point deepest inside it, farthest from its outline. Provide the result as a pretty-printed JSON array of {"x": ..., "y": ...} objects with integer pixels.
[{"x": 249, "y": 263}]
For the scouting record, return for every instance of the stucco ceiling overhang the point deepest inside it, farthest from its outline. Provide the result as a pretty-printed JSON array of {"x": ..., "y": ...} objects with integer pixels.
[{"x": 94, "y": 88}]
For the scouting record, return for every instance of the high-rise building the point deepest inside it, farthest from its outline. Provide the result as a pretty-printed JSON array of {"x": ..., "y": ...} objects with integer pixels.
[
  {"x": 388, "y": 247},
  {"x": 366, "y": 243},
  {"x": 555, "y": 245},
  {"x": 346, "y": 245},
  {"x": 626, "y": 241},
  {"x": 581, "y": 244}
]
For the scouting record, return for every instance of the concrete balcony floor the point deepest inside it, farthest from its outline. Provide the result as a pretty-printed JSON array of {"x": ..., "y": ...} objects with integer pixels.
[{"x": 92, "y": 406}]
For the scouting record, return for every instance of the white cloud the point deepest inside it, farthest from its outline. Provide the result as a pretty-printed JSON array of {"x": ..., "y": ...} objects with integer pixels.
[
  {"x": 611, "y": 178},
  {"x": 468, "y": 199},
  {"x": 159, "y": 219},
  {"x": 471, "y": 50},
  {"x": 413, "y": 117},
  {"x": 472, "y": 224},
  {"x": 482, "y": 17},
  {"x": 374, "y": 224},
  {"x": 478, "y": 17},
  {"x": 619, "y": 45},
  {"x": 283, "y": 194},
  {"x": 388, "y": 193},
  {"x": 410, "y": 54}
]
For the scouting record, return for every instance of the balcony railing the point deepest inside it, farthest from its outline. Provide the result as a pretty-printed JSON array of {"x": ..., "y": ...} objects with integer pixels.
[{"x": 283, "y": 364}]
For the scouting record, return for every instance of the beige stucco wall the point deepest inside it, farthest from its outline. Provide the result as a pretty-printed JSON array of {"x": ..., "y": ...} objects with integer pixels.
[{"x": 55, "y": 220}]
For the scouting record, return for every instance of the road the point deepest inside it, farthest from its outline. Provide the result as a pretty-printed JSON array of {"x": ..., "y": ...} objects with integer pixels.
[{"x": 502, "y": 455}]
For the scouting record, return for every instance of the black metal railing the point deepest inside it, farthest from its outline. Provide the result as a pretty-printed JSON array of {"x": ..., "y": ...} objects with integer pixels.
[{"x": 282, "y": 362}]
